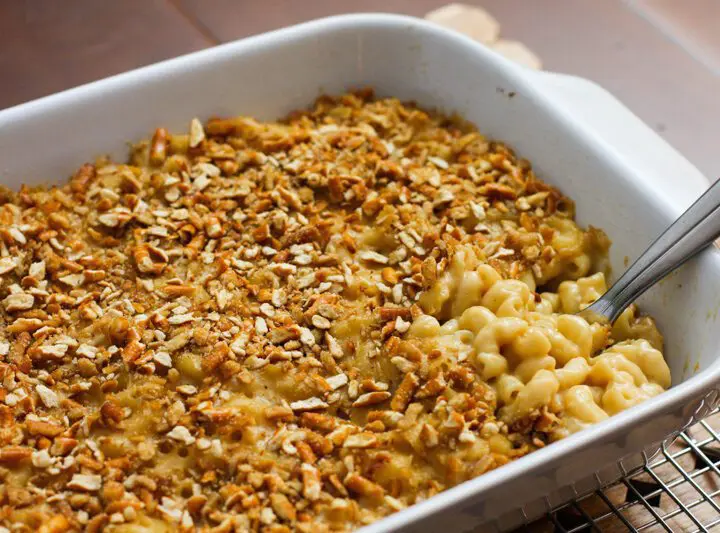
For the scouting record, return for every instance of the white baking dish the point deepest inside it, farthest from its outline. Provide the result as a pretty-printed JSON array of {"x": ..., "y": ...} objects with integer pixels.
[{"x": 623, "y": 177}]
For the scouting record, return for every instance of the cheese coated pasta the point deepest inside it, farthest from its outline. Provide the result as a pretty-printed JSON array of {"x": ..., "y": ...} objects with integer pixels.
[
  {"x": 542, "y": 359},
  {"x": 297, "y": 325}
]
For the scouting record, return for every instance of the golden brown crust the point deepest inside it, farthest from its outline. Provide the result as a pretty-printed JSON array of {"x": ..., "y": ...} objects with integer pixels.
[{"x": 212, "y": 335}]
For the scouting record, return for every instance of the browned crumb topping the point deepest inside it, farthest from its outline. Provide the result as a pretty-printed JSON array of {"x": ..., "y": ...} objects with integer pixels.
[{"x": 213, "y": 335}]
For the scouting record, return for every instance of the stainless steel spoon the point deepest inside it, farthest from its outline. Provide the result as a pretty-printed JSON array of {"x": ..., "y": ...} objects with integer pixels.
[{"x": 695, "y": 230}]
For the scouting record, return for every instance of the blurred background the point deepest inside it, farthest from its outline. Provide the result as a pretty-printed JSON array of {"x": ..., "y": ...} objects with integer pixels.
[{"x": 660, "y": 57}]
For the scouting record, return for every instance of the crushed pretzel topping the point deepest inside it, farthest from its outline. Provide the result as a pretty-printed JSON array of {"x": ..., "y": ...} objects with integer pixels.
[{"x": 216, "y": 333}]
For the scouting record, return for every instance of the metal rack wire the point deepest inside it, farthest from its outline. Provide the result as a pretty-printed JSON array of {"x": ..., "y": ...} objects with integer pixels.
[{"x": 677, "y": 490}]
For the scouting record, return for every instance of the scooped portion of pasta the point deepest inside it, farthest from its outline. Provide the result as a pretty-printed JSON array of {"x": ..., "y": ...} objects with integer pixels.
[
  {"x": 303, "y": 325},
  {"x": 542, "y": 361}
]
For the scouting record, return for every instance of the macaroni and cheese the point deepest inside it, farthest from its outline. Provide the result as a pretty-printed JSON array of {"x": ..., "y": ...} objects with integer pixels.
[{"x": 302, "y": 325}]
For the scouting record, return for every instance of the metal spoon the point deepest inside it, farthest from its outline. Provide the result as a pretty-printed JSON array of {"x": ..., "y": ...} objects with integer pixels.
[{"x": 695, "y": 230}]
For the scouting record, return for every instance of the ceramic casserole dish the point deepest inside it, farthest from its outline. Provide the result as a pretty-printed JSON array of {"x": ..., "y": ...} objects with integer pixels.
[{"x": 622, "y": 176}]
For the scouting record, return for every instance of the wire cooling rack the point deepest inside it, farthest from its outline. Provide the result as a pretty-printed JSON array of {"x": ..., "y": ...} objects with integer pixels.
[{"x": 678, "y": 491}]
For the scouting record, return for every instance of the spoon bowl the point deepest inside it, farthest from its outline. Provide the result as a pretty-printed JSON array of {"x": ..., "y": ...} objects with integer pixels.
[{"x": 696, "y": 229}]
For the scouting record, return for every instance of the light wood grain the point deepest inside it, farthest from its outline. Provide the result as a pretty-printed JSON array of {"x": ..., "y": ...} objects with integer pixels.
[
  {"x": 232, "y": 19},
  {"x": 608, "y": 42},
  {"x": 693, "y": 24},
  {"x": 47, "y": 45}
]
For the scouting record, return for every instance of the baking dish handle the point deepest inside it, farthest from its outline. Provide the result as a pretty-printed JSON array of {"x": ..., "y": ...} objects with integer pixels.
[{"x": 662, "y": 167}]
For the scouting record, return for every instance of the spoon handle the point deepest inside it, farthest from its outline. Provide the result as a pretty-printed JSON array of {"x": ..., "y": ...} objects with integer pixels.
[{"x": 696, "y": 228}]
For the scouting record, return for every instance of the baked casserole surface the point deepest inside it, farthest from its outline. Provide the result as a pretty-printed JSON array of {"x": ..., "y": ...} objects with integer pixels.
[{"x": 299, "y": 325}]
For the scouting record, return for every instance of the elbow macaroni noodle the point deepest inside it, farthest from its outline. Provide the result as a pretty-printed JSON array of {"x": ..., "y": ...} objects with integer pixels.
[
  {"x": 535, "y": 352},
  {"x": 303, "y": 325}
]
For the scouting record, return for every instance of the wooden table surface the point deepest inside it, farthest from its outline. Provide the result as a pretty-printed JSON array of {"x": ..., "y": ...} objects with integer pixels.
[{"x": 661, "y": 57}]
